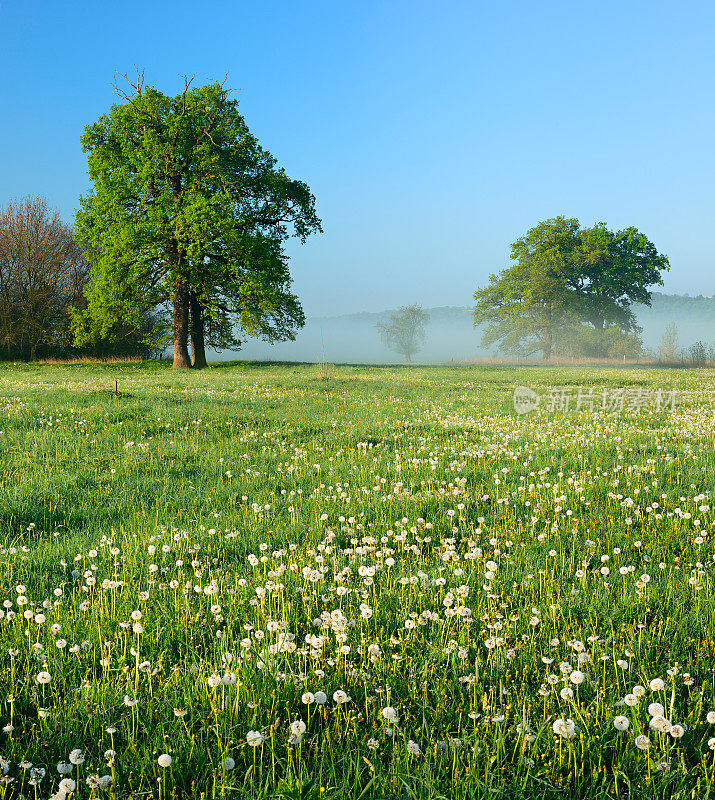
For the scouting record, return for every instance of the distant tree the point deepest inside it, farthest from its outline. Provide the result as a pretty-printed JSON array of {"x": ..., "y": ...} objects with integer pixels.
[
  {"x": 187, "y": 209},
  {"x": 405, "y": 331},
  {"x": 698, "y": 354},
  {"x": 622, "y": 343},
  {"x": 669, "y": 346},
  {"x": 584, "y": 341},
  {"x": 562, "y": 276},
  {"x": 42, "y": 274}
]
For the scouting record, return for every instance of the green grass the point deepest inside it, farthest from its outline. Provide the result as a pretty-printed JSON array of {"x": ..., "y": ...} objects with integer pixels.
[{"x": 283, "y": 534}]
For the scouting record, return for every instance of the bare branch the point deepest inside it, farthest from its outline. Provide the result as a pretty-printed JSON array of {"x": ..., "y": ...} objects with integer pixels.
[{"x": 137, "y": 85}]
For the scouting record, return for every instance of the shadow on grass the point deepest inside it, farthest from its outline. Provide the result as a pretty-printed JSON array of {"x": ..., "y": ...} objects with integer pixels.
[{"x": 40, "y": 515}]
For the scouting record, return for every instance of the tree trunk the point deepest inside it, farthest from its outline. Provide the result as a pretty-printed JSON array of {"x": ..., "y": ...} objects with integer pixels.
[
  {"x": 181, "y": 325},
  {"x": 547, "y": 347},
  {"x": 198, "y": 345}
]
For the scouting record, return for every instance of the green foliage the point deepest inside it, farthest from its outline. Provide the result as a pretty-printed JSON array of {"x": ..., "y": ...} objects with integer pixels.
[
  {"x": 622, "y": 344},
  {"x": 527, "y": 303},
  {"x": 145, "y": 336},
  {"x": 187, "y": 205},
  {"x": 563, "y": 275},
  {"x": 405, "y": 331},
  {"x": 676, "y": 305},
  {"x": 611, "y": 341},
  {"x": 615, "y": 271}
]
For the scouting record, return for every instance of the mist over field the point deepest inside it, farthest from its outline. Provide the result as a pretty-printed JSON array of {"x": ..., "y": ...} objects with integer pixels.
[{"x": 354, "y": 338}]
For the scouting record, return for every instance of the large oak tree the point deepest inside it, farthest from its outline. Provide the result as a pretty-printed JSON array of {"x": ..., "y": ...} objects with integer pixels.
[
  {"x": 188, "y": 209},
  {"x": 564, "y": 277}
]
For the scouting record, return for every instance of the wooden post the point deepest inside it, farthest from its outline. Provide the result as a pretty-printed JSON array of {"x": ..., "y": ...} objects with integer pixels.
[{"x": 116, "y": 391}]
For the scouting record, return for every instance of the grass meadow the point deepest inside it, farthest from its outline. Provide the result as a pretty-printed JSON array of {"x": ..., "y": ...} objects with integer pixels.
[{"x": 251, "y": 582}]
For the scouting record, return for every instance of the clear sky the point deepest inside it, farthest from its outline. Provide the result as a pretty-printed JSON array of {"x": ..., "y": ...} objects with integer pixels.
[{"x": 432, "y": 134}]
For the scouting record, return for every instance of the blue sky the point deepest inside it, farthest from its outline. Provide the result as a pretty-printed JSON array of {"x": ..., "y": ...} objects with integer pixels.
[{"x": 432, "y": 134}]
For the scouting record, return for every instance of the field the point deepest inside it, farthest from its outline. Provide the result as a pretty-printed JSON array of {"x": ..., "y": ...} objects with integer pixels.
[{"x": 250, "y": 582}]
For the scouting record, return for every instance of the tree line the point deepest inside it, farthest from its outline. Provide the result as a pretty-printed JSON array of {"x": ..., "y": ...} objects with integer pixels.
[
  {"x": 182, "y": 237},
  {"x": 43, "y": 278}
]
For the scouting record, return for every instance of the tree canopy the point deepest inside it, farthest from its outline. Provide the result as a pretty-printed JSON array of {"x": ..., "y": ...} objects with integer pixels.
[
  {"x": 188, "y": 209},
  {"x": 616, "y": 271},
  {"x": 563, "y": 278}
]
